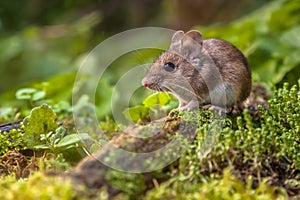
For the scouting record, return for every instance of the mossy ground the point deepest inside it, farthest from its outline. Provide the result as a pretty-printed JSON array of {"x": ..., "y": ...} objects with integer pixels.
[{"x": 241, "y": 156}]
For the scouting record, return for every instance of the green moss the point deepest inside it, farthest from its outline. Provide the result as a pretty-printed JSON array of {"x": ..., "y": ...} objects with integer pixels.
[
  {"x": 274, "y": 133},
  {"x": 226, "y": 188},
  {"x": 129, "y": 183},
  {"x": 260, "y": 151},
  {"x": 37, "y": 186},
  {"x": 12, "y": 140}
]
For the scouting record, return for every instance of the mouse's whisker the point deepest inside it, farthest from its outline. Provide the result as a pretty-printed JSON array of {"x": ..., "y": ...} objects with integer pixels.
[
  {"x": 165, "y": 88},
  {"x": 146, "y": 68},
  {"x": 159, "y": 89},
  {"x": 184, "y": 89}
]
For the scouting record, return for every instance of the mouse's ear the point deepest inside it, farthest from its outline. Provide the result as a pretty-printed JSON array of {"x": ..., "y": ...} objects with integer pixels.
[
  {"x": 195, "y": 36},
  {"x": 192, "y": 44},
  {"x": 176, "y": 40}
]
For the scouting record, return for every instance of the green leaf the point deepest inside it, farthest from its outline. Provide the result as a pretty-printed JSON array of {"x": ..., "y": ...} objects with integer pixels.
[
  {"x": 41, "y": 146},
  {"x": 285, "y": 16},
  {"x": 137, "y": 113},
  {"x": 25, "y": 93},
  {"x": 171, "y": 105},
  {"x": 60, "y": 132},
  {"x": 10, "y": 47},
  {"x": 72, "y": 139},
  {"x": 291, "y": 37},
  {"x": 293, "y": 58},
  {"x": 38, "y": 95},
  {"x": 160, "y": 98},
  {"x": 40, "y": 121},
  {"x": 62, "y": 106},
  {"x": 7, "y": 113}
]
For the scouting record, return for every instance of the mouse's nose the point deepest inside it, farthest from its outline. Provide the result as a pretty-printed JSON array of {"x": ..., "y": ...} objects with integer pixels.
[{"x": 144, "y": 82}]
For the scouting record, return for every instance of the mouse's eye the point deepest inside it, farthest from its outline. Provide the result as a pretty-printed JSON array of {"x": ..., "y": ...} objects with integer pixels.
[{"x": 169, "y": 67}]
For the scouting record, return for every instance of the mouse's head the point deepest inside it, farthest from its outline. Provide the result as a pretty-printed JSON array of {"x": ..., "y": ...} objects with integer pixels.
[{"x": 176, "y": 66}]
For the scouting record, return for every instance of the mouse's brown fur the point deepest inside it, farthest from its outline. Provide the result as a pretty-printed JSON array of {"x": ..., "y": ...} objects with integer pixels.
[{"x": 210, "y": 73}]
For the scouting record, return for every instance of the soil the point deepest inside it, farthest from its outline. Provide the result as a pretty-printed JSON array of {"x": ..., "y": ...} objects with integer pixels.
[{"x": 14, "y": 162}]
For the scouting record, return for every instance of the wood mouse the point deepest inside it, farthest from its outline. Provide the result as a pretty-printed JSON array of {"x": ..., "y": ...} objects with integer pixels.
[{"x": 208, "y": 73}]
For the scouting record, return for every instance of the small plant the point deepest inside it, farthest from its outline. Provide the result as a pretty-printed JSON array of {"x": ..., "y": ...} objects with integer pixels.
[
  {"x": 58, "y": 141},
  {"x": 43, "y": 133},
  {"x": 153, "y": 107},
  {"x": 32, "y": 95},
  {"x": 41, "y": 120}
]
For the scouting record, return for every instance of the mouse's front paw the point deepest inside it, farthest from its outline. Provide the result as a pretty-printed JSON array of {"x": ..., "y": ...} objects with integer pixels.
[
  {"x": 218, "y": 109},
  {"x": 193, "y": 104}
]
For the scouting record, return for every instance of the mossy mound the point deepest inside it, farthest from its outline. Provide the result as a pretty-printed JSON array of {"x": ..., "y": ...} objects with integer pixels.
[{"x": 253, "y": 155}]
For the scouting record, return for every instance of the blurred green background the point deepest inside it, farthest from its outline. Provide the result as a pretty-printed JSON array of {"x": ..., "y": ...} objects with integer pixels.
[{"x": 42, "y": 43}]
